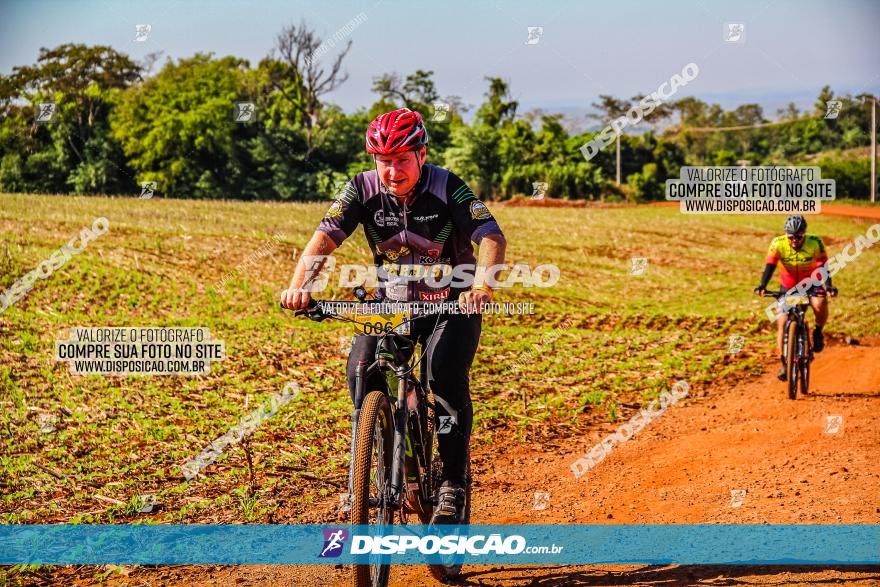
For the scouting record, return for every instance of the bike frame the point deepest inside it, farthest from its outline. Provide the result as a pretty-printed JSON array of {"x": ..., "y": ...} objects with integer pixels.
[
  {"x": 798, "y": 314},
  {"x": 390, "y": 357}
]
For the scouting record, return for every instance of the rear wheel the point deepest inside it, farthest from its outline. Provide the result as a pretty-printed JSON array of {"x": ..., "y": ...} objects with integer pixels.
[
  {"x": 432, "y": 472},
  {"x": 805, "y": 362},
  {"x": 372, "y": 480},
  {"x": 446, "y": 571},
  {"x": 791, "y": 362}
]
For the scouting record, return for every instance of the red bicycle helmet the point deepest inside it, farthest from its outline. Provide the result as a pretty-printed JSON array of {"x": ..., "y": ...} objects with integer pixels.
[{"x": 396, "y": 132}]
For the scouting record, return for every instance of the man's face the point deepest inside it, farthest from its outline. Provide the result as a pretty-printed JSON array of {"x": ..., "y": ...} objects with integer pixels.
[
  {"x": 796, "y": 240},
  {"x": 400, "y": 172}
]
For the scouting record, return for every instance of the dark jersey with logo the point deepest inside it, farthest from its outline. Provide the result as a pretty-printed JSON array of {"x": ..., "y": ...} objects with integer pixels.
[{"x": 432, "y": 234}]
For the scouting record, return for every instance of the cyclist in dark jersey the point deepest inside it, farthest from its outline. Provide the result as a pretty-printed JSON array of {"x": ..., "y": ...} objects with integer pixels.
[{"x": 418, "y": 216}]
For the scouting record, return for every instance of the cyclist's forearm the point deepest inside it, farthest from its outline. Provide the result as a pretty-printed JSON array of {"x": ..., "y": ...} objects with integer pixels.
[
  {"x": 827, "y": 279},
  {"x": 319, "y": 245},
  {"x": 491, "y": 253},
  {"x": 768, "y": 273}
]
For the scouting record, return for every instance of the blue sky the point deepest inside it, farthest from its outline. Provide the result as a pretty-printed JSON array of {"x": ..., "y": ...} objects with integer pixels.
[{"x": 621, "y": 47}]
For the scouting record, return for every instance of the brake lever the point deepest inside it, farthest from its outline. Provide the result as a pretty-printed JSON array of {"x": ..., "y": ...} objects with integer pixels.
[{"x": 312, "y": 312}]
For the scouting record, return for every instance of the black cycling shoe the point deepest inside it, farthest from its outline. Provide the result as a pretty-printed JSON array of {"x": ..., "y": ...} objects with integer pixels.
[
  {"x": 782, "y": 375},
  {"x": 450, "y": 504},
  {"x": 818, "y": 341}
]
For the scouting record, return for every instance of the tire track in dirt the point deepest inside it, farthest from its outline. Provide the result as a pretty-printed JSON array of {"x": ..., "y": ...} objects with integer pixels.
[{"x": 681, "y": 468}]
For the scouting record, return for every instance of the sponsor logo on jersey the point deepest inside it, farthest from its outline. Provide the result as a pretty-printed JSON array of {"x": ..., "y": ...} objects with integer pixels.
[
  {"x": 335, "y": 210},
  {"x": 479, "y": 211},
  {"x": 426, "y": 218},
  {"x": 434, "y": 296},
  {"x": 383, "y": 219},
  {"x": 433, "y": 252},
  {"x": 395, "y": 255},
  {"x": 430, "y": 260}
]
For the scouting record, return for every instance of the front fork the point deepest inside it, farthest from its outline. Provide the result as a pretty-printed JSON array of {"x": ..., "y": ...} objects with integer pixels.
[
  {"x": 399, "y": 446},
  {"x": 355, "y": 416},
  {"x": 397, "y": 449},
  {"x": 792, "y": 346}
]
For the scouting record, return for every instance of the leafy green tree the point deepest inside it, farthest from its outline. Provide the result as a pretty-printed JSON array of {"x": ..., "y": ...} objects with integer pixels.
[
  {"x": 292, "y": 80},
  {"x": 474, "y": 150},
  {"x": 74, "y": 151},
  {"x": 645, "y": 185},
  {"x": 820, "y": 106},
  {"x": 499, "y": 107},
  {"x": 418, "y": 93},
  {"x": 177, "y": 128}
]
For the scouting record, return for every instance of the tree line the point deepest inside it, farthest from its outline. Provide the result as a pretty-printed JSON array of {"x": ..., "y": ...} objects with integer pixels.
[{"x": 188, "y": 127}]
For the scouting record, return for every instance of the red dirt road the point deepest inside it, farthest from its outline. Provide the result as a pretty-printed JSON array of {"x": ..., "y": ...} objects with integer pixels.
[
  {"x": 681, "y": 468},
  {"x": 866, "y": 212},
  {"x": 853, "y": 211}
]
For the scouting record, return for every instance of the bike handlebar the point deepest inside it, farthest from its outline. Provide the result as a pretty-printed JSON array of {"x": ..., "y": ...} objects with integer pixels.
[{"x": 769, "y": 293}]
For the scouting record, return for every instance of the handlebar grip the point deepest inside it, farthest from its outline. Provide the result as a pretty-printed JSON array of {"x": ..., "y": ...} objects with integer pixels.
[{"x": 302, "y": 312}]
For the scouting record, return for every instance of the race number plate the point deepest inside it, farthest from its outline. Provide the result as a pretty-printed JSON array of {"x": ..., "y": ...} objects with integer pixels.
[
  {"x": 379, "y": 324},
  {"x": 796, "y": 300}
]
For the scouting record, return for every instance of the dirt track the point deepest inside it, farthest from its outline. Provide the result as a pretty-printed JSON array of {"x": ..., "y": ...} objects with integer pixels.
[
  {"x": 679, "y": 469},
  {"x": 866, "y": 212}
]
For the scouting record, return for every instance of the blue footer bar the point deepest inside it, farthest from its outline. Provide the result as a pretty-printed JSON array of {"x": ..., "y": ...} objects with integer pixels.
[{"x": 752, "y": 544}]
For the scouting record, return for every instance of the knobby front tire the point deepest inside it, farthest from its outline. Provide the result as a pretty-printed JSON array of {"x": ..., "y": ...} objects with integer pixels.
[
  {"x": 372, "y": 478},
  {"x": 805, "y": 363},
  {"x": 791, "y": 369}
]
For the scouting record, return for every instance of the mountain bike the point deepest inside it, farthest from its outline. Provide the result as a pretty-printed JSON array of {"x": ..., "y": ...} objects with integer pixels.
[
  {"x": 796, "y": 346},
  {"x": 395, "y": 468}
]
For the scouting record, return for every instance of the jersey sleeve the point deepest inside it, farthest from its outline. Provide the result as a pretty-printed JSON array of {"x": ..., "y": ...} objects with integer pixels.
[
  {"x": 821, "y": 254},
  {"x": 469, "y": 214},
  {"x": 773, "y": 254},
  {"x": 343, "y": 215}
]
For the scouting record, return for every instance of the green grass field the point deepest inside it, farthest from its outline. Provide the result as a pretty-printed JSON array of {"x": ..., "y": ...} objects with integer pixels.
[{"x": 116, "y": 438}]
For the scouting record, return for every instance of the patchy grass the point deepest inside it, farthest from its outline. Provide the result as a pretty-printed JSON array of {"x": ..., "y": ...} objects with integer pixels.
[{"x": 114, "y": 438}]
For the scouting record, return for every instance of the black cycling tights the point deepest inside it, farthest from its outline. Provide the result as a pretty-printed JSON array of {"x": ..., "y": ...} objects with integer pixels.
[{"x": 449, "y": 352}]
